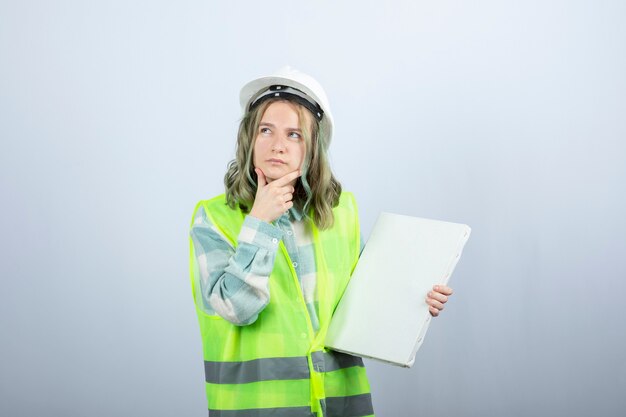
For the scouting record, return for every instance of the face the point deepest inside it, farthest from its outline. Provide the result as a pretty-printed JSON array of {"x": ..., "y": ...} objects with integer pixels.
[{"x": 279, "y": 147}]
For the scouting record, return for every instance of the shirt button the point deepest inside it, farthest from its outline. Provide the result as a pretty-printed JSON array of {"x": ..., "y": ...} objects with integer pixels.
[
  {"x": 295, "y": 264},
  {"x": 289, "y": 232},
  {"x": 303, "y": 335},
  {"x": 274, "y": 240}
]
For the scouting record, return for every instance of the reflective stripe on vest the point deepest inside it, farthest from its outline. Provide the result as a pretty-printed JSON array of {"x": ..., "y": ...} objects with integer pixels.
[
  {"x": 265, "y": 369},
  {"x": 332, "y": 361},
  {"x": 268, "y": 369},
  {"x": 264, "y": 412},
  {"x": 277, "y": 366},
  {"x": 356, "y": 405}
]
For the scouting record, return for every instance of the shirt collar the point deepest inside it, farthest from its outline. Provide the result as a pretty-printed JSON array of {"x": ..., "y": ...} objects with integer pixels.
[{"x": 295, "y": 214}]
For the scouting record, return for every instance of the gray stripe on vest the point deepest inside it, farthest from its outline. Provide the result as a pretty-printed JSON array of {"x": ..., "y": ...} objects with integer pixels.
[
  {"x": 264, "y": 412},
  {"x": 332, "y": 361},
  {"x": 265, "y": 369},
  {"x": 352, "y": 406}
]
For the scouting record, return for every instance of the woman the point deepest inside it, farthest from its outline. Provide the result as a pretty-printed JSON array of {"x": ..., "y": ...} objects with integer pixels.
[{"x": 270, "y": 259}]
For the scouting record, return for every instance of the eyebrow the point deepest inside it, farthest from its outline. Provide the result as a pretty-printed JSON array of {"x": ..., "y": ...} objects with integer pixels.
[{"x": 291, "y": 129}]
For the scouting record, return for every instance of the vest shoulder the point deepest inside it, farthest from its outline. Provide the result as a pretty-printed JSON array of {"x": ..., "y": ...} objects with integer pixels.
[
  {"x": 346, "y": 212},
  {"x": 216, "y": 203},
  {"x": 347, "y": 200},
  {"x": 214, "y": 206},
  {"x": 220, "y": 215}
]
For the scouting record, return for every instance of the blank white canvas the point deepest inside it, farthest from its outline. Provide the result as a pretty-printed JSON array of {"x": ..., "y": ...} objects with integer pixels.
[{"x": 383, "y": 314}]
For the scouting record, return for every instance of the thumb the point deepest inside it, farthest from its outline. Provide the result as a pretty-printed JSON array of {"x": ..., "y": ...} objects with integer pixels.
[{"x": 261, "y": 182}]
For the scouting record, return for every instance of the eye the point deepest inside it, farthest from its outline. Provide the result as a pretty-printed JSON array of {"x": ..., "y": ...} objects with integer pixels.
[
  {"x": 265, "y": 130},
  {"x": 295, "y": 135}
]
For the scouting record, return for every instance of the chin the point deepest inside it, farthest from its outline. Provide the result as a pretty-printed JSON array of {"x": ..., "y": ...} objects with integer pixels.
[{"x": 276, "y": 172}]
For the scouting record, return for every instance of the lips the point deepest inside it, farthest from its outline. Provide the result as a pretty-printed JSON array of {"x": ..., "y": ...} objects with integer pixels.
[{"x": 276, "y": 161}]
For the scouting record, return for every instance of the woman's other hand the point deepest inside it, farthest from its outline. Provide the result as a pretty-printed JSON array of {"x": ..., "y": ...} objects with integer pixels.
[
  {"x": 437, "y": 298},
  {"x": 273, "y": 198}
]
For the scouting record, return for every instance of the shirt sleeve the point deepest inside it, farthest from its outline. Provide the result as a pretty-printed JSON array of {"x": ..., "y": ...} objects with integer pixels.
[{"x": 234, "y": 281}]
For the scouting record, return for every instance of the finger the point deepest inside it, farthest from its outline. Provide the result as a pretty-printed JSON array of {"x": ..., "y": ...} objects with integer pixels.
[
  {"x": 287, "y": 189},
  {"x": 433, "y": 311},
  {"x": 438, "y": 296},
  {"x": 281, "y": 194},
  {"x": 434, "y": 303},
  {"x": 287, "y": 178},
  {"x": 261, "y": 182},
  {"x": 443, "y": 289}
]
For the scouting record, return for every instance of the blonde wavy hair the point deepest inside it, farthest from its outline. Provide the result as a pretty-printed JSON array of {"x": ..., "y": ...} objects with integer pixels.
[{"x": 317, "y": 190}]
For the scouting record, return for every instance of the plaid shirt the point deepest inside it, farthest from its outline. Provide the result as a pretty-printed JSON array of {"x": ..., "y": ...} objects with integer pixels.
[{"x": 235, "y": 281}]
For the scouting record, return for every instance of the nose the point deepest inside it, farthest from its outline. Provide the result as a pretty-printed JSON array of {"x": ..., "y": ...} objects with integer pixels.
[{"x": 278, "y": 144}]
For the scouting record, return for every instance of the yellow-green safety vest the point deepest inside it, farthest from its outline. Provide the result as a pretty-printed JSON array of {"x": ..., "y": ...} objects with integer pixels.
[{"x": 278, "y": 366}]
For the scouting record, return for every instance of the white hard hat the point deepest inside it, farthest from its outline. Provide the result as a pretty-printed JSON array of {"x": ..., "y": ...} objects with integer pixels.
[{"x": 282, "y": 83}]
